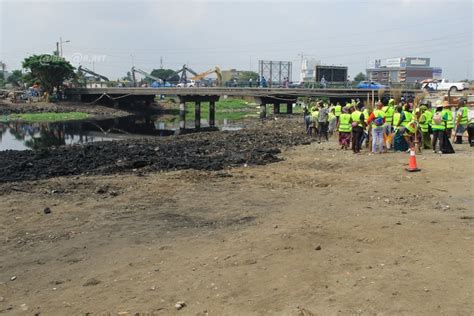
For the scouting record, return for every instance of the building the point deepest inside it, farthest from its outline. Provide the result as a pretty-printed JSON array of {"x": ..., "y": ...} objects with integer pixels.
[
  {"x": 402, "y": 70},
  {"x": 308, "y": 70}
]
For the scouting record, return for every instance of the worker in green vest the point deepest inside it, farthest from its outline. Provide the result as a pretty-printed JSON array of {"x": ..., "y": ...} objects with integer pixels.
[
  {"x": 406, "y": 116},
  {"x": 314, "y": 119},
  {"x": 389, "y": 110},
  {"x": 450, "y": 119},
  {"x": 358, "y": 123},
  {"x": 429, "y": 115},
  {"x": 337, "y": 111},
  {"x": 462, "y": 120},
  {"x": 377, "y": 120},
  {"x": 438, "y": 125},
  {"x": 345, "y": 129},
  {"x": 425, "y": 119}
]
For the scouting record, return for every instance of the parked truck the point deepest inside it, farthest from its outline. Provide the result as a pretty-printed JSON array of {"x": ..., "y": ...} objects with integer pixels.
[{"x": 443, "y": 85}]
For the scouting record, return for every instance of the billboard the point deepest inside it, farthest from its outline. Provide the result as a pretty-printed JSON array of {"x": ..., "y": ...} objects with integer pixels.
[
  {"x": 393, "y": 62},
  {"x": 417, "y": 61},
  {"x": 331, "y": 73},
  {"x": 437, "y": 73}
]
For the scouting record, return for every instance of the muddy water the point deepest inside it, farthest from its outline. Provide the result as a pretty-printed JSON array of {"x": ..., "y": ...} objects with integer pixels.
[{"x": 17, "y": 135}]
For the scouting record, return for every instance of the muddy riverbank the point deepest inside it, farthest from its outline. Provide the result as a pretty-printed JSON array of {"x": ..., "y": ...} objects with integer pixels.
[
  {"x": 201, "y": 151},
  {"x": 94, "y": 110}
]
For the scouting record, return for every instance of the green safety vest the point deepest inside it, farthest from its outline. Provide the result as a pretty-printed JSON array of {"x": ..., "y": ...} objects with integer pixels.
[
  {"x": 345, "y": 123},
  {"x": 429, "y": 116},
  {"x": 411, "y": 127},
  {"x": 408, "y": 118},
  {"x": 438, "y": 127},
  {"x": 464, "y": 116},
  {"x": 449, "y": 121},
  {"x": 389, "y": 111},
  {"x": 315, "y": 115},
  {"x": 366, "y": 115},
  {"x": 426, "y": 122},
  {"x": 356, "y": 117},
  {"x": 378, "y": 113},
  {"x": 396, "y": 118},
  {"x": 338, "y": 110}
]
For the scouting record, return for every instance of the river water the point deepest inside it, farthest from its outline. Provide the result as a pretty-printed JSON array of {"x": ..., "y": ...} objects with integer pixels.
[{"x": 17, "y": 135}]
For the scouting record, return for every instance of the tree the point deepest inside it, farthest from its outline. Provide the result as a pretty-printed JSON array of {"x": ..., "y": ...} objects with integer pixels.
[
  {"x": 165, "y": 75},
  {"x": 16, "y": 78},
  {"x": 360, "y": 77},
  {"x": 48, "y": 70}
]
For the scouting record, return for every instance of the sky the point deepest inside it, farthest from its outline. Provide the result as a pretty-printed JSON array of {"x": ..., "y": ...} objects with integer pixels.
[{"x": 111, "y": 36}]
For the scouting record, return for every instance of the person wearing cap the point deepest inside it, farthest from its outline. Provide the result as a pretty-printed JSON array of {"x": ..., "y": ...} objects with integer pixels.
[
  {"x": 377, "y": 120},
  {"x": 450, "y": 120},
  {"x": 425, "y": 119},
  {"x": 438, "y": 125},
  {"x": 461, "y": 121}
]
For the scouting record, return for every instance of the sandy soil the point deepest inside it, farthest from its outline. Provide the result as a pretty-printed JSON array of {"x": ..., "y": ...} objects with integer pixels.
[{"x": 323, "y": 232}]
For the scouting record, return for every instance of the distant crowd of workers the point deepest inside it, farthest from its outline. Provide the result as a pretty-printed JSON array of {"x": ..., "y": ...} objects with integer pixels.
[{"x": 391, "y": 125}]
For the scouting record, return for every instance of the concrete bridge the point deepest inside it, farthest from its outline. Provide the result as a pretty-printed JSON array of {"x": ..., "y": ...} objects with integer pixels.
[{"x": 262, "y": 96}]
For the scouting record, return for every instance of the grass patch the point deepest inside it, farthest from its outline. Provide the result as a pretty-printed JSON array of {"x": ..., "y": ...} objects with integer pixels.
[
  {"x": 45, "y": 117},
  {"x": 231, "y": 109}
]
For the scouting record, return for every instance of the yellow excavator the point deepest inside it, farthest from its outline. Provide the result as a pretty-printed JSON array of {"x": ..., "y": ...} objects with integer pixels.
[{"x": 215, "y": 70}]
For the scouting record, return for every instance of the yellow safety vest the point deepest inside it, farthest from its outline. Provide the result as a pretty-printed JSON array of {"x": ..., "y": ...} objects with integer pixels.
[
  {"x": 338, "y": 110},
  {"x": 378, "y": 113},
  {"x": 408, "y": 118},
  {"x": 356, "y": 117},
  {"x": 424, "y": 122},
  {"x": 396, "y": 118},
  {"x": 438, "y": 127},
  {"x": 345, "y": 123},
  {"x": 389, "y": 111},
  {"x": 450, "y": 120},
  {"x": 464, "y": 116}
]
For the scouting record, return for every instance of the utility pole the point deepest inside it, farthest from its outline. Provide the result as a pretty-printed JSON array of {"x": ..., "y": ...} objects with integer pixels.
[
  {"x": 59, "y": 46},
  {"x": 161, "y": 62}
]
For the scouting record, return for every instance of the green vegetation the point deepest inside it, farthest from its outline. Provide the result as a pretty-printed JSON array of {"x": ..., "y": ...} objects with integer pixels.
[
  {"x": 231, "y": 109},
  {"x": 45, "y": 117},
  {"x": 360, "y": 77},
  {"x": 49, "y": 71}
]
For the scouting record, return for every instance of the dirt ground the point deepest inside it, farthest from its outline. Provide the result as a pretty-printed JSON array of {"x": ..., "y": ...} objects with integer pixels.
[{"x": 322, "y": 232}]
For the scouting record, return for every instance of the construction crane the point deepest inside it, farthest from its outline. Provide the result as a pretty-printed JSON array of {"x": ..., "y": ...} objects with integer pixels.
[
  {"x": 182, "y": 73},
  {"x": 92, "y": 73},
  {"x": 134, "y": 70},
  {"x": 216, "y": 70}
]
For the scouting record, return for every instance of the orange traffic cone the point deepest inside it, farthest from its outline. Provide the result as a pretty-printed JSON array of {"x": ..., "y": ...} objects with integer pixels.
[{"x": 412, "y": 162}]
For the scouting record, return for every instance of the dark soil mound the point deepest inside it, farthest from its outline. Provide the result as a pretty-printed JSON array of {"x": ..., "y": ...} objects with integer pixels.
[{"x": 208, "y": 151}]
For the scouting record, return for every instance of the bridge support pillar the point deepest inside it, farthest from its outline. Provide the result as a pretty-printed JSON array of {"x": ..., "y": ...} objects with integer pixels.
[
  {"x": 289, "y": 108},
  {"x": 212, "y": 113},
  {"x": 276, "y": 108},
  {"x": 182, "y": 115},
  {"x": 197, "y": 114},
  {"x": 263, "y": 110}
]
